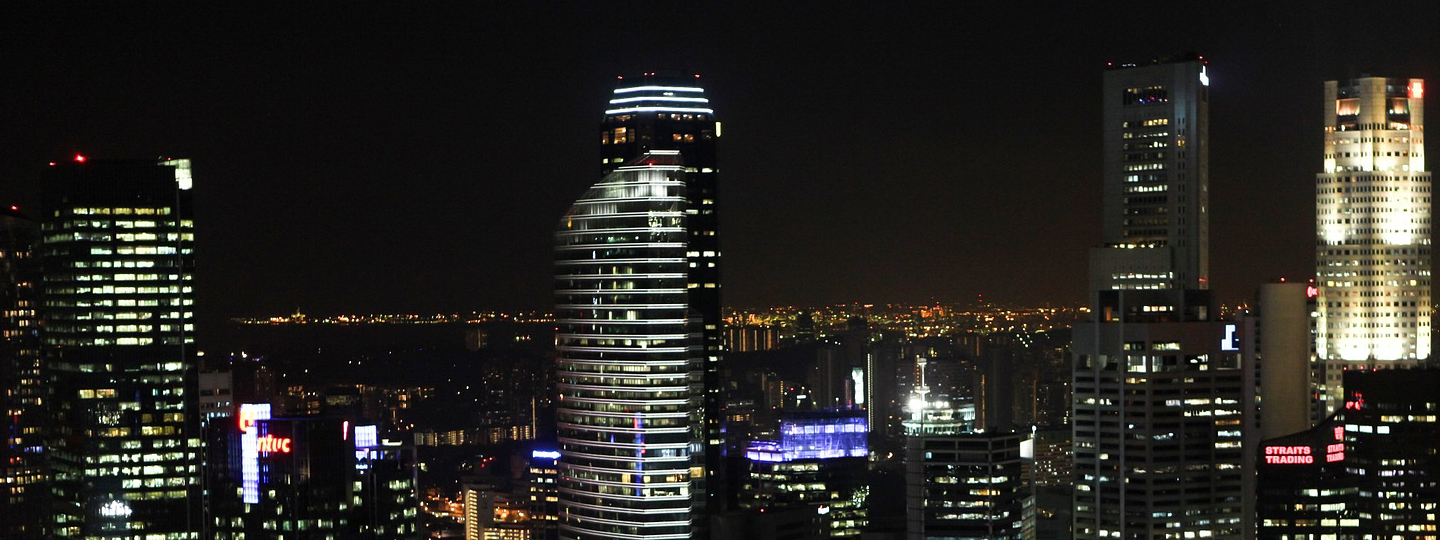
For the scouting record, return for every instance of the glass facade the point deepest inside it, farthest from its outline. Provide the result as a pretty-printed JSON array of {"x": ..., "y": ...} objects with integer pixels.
[
  {"x": 626, "y": 350},
  {"x": 118, "y": 261},
  {"x": 669, "y": 111}
]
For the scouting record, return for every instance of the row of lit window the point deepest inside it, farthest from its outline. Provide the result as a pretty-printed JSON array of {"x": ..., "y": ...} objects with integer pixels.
[{"x": 122, "y": 211}]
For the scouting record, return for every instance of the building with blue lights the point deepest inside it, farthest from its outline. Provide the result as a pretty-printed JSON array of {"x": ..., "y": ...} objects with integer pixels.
[
  {"x": 541, "y": 495},
  {"x": 817, "y": 460}
]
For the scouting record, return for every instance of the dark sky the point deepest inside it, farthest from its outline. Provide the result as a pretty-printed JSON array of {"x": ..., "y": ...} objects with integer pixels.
[{"x": 360, "y": 157}]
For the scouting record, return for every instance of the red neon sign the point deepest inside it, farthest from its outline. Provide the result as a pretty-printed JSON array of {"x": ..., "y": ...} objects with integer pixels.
[
  {"x": 247, "y": 420},
  {"x": 1288, "y": 455},
  {"x": 1312, "y": 291},
  {"x": 1417, "y": 90},
  {"x": 1339, "y": 433},
  {"x": 1355, "y": 404},
  {"x": 270, "y": 444}
]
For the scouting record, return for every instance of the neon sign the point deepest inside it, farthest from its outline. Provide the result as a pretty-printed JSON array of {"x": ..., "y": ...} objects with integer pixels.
[
  {"x": 544, "y": 454},
  {"x": 1288, "y": 455},
  {"x": 1339, "y": 433},
  {"x": 250, "y": 412},
  {"x": 1355, "y": 404},
  {"x": 1312, "y": 291},
  {"x": 115, "y": 509},
  {"x": 270, "y": 444},
  {"x": 1417, "y": 90}
]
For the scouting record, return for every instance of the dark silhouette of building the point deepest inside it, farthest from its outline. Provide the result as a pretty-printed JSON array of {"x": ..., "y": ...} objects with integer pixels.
[{"x": 22, "y": 478}]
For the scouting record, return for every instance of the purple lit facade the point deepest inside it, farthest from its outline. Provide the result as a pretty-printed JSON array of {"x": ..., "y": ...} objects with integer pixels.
[{"x": 815, "y": 435}]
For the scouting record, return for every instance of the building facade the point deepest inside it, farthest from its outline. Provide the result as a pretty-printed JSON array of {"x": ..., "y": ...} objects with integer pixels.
[
  {"x": 118, "y": 301},
  {"x": 22, "y": 392},
  {"x": 309, "y": 478},
  {"x": 1159, "y": 387},
  {"x": 966, "y": 485},
  {"x": 1370, "y": 471},
  {"x": 1156, "y": 178},
  {"x": 669, "y": 111},
  {"x": 1372, "y": 225},
  {"x": 817, "y": 461},
  {"x": 626, "y": 344}
]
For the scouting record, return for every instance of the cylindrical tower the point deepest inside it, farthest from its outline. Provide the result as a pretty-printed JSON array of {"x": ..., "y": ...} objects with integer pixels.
[{"x": 625, "y": 356}]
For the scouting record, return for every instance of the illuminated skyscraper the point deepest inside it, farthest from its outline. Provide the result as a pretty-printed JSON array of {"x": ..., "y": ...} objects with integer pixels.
[
  {"x": 626, "y": 351},
  {"x": 22, "y": 481},
  {"x": 117, "y": 257},
  {"x": 670, "y": 112},
  {"x": 1158, "y": 385},
  {"x": 1372, "y": 224},
  {"x": 1156, "y": 223}
]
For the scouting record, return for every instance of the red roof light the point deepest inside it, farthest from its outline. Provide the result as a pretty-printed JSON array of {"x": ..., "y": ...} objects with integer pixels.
[{"x": 79, "y": 158}]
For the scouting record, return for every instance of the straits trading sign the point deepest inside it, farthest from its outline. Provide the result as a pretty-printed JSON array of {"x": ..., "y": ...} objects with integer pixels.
[{"x": 1305, "y": 454}]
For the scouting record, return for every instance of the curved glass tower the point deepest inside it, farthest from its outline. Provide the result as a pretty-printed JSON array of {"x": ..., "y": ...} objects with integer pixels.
[{"x": 625, "y": 355}]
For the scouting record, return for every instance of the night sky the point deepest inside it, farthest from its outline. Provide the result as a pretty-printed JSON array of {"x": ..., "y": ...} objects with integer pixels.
[{"x": 359, "y": 157}]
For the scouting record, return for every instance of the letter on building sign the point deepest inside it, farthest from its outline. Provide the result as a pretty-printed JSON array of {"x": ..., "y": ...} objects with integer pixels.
[
  {"x": 1230, "y": 343},
  {"x": 270, "y": 444}
]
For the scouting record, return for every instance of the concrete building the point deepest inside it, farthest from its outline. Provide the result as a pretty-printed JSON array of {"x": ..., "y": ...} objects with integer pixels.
[
  {"x": 1372, "y": 226},
  {"x": 1159, "y": 385}
]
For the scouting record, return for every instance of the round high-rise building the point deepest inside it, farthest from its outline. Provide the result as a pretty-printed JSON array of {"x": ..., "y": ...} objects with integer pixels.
[{"x": 625, "y": 356}]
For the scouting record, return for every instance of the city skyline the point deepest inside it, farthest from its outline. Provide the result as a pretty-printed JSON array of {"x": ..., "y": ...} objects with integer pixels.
[{"x": 356, "y": 196}]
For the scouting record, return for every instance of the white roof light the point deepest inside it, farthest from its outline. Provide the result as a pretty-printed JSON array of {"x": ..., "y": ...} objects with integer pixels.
[{"x": 658, "y": 89}]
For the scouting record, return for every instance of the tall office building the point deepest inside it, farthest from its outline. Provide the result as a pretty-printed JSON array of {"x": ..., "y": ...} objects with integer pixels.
[
  {"x": 626, "y": 345},
  {"x": 1158, "y": 385},
  {"x": 1156, "y": 187},
  {"x": 1372, "y": 225},
  {"x": 117, "y": 257},
  {"x": 669, "y": 111},
  {"x": 22, "y": 479}
]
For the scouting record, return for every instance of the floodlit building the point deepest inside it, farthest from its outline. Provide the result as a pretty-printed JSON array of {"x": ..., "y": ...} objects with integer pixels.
[
  {"x": 1372, "y": 226},
  {"x": 1159, "y": 389},
  {"x": 670, "y": 111},
  {"x": 626, "y": 353},
  {"x": 118, "y": 312}
]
